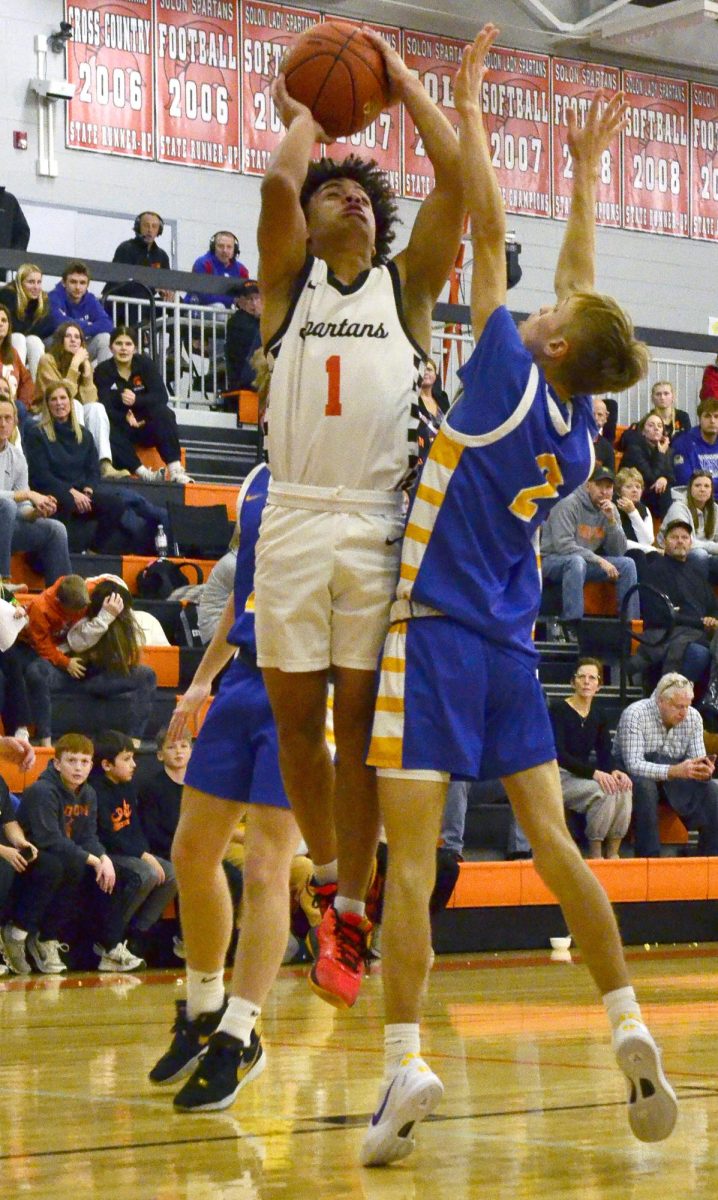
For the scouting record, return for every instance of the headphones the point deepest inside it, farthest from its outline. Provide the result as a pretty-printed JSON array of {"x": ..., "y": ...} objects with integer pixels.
[
  {"x": 136, "y": 226},
  {"x": 213, "y": 241}
]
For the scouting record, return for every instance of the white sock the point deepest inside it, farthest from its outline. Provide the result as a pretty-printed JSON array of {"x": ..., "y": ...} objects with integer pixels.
[
  {"x": 343, "y": 904},
  {"x": 205, "y": 992},
  {"x": 144, "y": 472},
  {"x": 621, "y": 1005},
  {"x": 175, "y": 467},
  {"x": 239, "y": 1019},
  {"x": 398, "y": 1041},
  {"x": 327, "y": 873}
]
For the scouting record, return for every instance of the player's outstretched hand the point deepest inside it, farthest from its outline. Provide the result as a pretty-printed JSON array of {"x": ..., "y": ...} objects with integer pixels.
[
  {"x": 399, "y": 76},
  {"x": 290, "y": 109},
  {"x": 603, "y": 122},
  {"x": 467, "y": 86},
  {"x": 183, "y": 717}
]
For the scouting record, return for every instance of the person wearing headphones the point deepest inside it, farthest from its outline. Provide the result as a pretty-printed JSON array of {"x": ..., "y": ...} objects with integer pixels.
[
  {"x": 138, "y": 251},
  {"x": 222, "y": 258}
]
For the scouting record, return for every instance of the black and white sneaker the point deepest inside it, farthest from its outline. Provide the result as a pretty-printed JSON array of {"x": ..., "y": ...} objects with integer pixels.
[
  {"x": 222, "y": 1072},
  {"x": 189, "y": 1043}
]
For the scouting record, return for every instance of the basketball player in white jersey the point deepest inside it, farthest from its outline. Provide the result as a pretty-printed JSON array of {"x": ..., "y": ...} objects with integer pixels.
[{"x": 347, "y": 334}]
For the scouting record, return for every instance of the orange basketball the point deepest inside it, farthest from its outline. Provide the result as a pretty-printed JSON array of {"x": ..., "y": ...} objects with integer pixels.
[{"x": 334, "y": 69}]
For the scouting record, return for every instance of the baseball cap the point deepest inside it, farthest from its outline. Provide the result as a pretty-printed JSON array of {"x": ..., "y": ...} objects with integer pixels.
[
  {"x": 602, "y": 472},
  {"x": 247, "y": 287},
  {"x": 678, "y": 523}
]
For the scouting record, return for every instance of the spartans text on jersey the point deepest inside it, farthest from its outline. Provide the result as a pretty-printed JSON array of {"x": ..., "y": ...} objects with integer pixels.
[{"x": 348, "y": 329}]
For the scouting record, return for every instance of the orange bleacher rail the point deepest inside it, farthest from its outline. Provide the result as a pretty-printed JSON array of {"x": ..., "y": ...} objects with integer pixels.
[
  {"x": 165, "y": 662},
  {"x": 150, "y": 457},
  {"x": 199, "y": 495},
  {"x": 16, "y": 779}
]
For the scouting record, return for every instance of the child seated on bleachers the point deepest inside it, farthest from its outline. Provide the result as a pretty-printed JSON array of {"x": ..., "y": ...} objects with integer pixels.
[
  {"x": 121, "y": 831},
  {"x": 160, "y": 796}
]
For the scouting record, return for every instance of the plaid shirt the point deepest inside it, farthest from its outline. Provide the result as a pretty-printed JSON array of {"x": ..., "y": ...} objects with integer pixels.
[{"x": 641, "y": 733}]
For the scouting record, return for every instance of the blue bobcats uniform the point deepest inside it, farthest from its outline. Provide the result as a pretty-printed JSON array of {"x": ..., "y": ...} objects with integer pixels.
[
  {"x": 458, "y": 691},
  {"x": 235, "y": 756}
]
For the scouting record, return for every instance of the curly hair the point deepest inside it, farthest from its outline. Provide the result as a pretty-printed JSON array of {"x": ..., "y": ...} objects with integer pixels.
[{"x": 369, "y": 175}]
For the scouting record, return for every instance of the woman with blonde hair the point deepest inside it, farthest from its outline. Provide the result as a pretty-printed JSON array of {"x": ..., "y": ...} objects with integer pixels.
[
  {"x": 636, "y": 520},
  {"x": 68, "y": 360},
  {"x": 29, "y": 309}
]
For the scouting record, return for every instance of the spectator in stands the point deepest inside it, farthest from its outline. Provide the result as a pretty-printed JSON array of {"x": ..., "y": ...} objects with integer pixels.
[
  {"x": 699, "y": 510},
  {"x": 222, "y": 258},
  {"x": 30, "y": 314},
  {"x": 659, "y": 744},
  {"x": 215, "y": 592},
  {"x": 695, "y": 607},
  {"x": 121, "y": 832},
  {"x": 28, "y": 883},
  {"x": 602, "y": 448},
  {"x": 14, "y": 370},
  {"x": 63, "y": 462},
  {"x": 590, "y": 783},
  {"x": 696, "y": 449},
  {"x": 578, "y": 527},
  {"x": 26, "y": 515},
  {"x": 675, "y": 420},
  {"x": 650, "y": 453},
  {"x": 161, "y": 794},
  {"x": 132, "y": 390},
  {"x": 609, "y": 428},
  {"x": 243, "y": 336},
  {"x": 68, "y": 361},
  {"x": 59, "y": 814},
  {"x": 636, "y": 520},
  {"x": 108, "y": 643},
  {"x": 433, "y": 405},
  {"x": 72, "y": 300},
  {"x": 709, "y": 383},
  {"x": 15, "y": 707},
  {"x": 14, "y": 229},
  {"x": 138, "y": 251},
  {"x": 51, "y": 614}
]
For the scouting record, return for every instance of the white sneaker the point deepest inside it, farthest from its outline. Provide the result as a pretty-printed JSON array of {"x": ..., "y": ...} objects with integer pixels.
[
  {"x": 13, "y": 950},
  {"x": 119, "y": 958},
  {"x": 147, "y": 475},
  {"x": 652, "y": 1105},
  {"x": 46, "y": 955},
  {"x": 180, "y": 476},
  {"x": 413, "y": 1093}
]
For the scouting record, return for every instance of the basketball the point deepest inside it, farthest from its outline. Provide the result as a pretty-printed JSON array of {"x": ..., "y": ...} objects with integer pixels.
[{"x": 338, "y": 74}]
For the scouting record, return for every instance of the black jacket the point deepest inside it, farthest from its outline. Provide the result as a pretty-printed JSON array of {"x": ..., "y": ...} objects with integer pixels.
[
  {"x": 118, "y": 822},
  {"x": 41, "y": 327},
  {"x": 648, "y": 460},
  {"x": 55, "y": 467},
  {"x": 137, "y": 253},
  {"x": 14, "y": 229},
  {"x": 145, "y": 381},
  {"x": 686, "y": 587},
  {"x": 54, "y": 818},
  {"x": 242, "y": 340},
  {"x": 159, "y": 804}
]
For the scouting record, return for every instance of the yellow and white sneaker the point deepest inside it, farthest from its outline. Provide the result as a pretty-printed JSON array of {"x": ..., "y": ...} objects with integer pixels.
[
  {"x": 652, "y": 1104},
  {"x": 412, "y": 1095}
]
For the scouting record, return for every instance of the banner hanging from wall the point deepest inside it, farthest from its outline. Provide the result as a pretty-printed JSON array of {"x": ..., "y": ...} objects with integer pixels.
[
  {"x": 516, "y": 103},
  {"x": 704, "y": 162},
  {"x": 382, "y": 139},
  {"x": 197, "y": 73},
  {"x": 435, "y": 60},
  {"x": 267, "y": 32},
  {"x": 573, "y": 86},
  {"x": 656, "y": 155},
  {"x": 110, "y": 61}
]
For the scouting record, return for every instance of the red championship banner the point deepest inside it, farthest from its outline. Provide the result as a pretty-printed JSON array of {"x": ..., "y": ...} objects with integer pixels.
[
  {"x": 435, "y": 60},
  {"x": 516, "y": 103},
  {"x": 704, "y": 162},
  {"x": 382, "y": 139},
  {"x": 655, "y": 155},
  {"x": 573, "y": 85},
  {"x": 110, "y": 61},
  {"x": 267, "y": 31},
  {"x": 197, "y": 81}
]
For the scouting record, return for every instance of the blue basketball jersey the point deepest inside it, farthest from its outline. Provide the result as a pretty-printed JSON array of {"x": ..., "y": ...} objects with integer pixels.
[
  {"x": 506, "y": 452},
  {"x": 250, "y": 506}
]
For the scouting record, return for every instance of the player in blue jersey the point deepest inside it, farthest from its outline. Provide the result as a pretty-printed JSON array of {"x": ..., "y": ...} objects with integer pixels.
[
  {"x": 234, "y": 762},
  {"x": 458, "y": 693}
]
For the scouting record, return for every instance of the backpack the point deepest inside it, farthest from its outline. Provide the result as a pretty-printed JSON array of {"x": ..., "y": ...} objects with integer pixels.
[{"x": 160, "y": 578}]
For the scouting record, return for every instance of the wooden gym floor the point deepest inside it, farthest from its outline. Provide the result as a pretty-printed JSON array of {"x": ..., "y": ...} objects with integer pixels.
[{"x": 533, "y": 1104}]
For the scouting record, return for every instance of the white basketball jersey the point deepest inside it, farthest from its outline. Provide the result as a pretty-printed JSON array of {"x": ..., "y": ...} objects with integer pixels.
[{"x": 346, "y": 376}]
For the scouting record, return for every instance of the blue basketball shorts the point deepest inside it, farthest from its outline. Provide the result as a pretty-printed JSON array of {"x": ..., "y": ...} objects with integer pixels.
[
  {"x": 235, "y": 756},
  {"x": 452, "y": 703}
]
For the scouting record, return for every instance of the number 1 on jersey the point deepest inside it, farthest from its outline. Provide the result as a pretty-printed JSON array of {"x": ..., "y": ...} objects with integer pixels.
[{"x": 333, "y": 367}]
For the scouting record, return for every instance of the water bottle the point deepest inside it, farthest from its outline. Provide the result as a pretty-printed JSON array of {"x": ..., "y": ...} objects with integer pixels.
[{"x": 161, "y": 542}]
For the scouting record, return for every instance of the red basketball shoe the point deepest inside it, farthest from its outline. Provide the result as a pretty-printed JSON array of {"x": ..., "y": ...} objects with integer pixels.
[{"x": 336, "y": 975}]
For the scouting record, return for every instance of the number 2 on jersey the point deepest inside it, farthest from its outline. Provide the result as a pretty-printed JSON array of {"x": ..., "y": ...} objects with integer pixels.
[
  {"x": 524, "y": 504},
  {"x": 333, "y": 367}
]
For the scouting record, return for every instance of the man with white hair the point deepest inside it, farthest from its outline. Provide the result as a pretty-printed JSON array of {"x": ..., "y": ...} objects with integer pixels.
[{"x": 659, "y": 744}]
